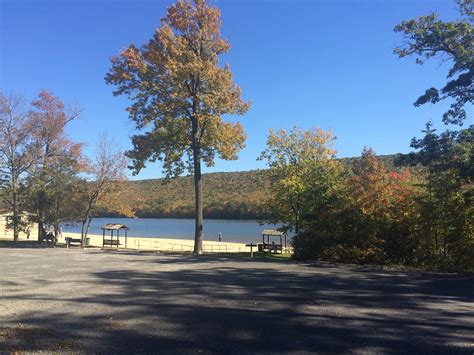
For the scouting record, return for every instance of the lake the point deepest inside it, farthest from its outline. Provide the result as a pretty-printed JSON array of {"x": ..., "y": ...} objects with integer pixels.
[{"x": 232, "y": 230}]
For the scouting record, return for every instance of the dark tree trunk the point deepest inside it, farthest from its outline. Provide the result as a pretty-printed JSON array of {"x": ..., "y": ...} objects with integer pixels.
[
  {"x": 198, "y": 232},
  {"x": 57, "y": 232},
  {"x": 87, "y": 218},
  {"x": 16, "y": 229},
  {"x": 39, "y": 216},
  {"x": 16, "y": 217},
  {"x": 85, "y": 230},
  {"x": 40, "y": 230},
  {"x": 57, "y": 223}
]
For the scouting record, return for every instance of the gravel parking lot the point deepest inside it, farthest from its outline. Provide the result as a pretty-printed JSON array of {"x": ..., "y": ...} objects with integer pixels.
[{"x": 56, "y": 299}]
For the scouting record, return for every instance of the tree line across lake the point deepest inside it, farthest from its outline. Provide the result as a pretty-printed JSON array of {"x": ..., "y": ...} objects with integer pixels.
[{"x": 227, "y": 195}]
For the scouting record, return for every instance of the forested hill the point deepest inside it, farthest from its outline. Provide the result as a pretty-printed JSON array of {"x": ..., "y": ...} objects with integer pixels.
[{"x": 234, "y": 195}]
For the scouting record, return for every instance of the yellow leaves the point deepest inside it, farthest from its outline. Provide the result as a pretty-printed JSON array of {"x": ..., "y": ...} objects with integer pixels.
[
  {"x": 300, "y": 162},
  {"x": 299, "y": 147},
  {"x": 133, "y": 58},
  {"x": 231, "y": 140},
  {"x": 176, "y": 77}
]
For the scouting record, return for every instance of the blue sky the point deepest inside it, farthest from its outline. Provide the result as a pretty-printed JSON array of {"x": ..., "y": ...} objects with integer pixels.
[{"x": 301, "y": 62}]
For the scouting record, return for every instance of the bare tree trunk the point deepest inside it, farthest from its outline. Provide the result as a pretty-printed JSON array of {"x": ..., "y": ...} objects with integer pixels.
[
  {"x": 39, "y": 216},
  {"x": 16, "y": 221},
  {"x": 87, "y": 218},
  {"x": 85, "y": 230},
  {"x": 57, "y": 227},
  {"x": 16, "y": 228},
  {"x": 56, "y": 232},
  {"x": 40, "y": 230},
  {"x": 198, "y": 232}
]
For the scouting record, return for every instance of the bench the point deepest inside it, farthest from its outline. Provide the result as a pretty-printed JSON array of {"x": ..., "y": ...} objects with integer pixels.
[
  {"x": 70, "y": 240},
  {"x": 272, "y": 248},
  {"x": 47, "y": 238},
  {"x": 111, "y": 242}
]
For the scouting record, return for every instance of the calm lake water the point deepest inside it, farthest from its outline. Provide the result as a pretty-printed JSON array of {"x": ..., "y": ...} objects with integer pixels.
[{"x": 232, "y": 230}]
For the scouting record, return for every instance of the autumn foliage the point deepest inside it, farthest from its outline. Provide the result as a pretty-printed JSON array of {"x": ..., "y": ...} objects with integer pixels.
[
  {"x": 179, "y": 94},
  {"x": 418, "y": 214}
]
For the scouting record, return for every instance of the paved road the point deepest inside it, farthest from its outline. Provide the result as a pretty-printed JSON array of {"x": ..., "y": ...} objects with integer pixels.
[{"x": 69, "y": 300}]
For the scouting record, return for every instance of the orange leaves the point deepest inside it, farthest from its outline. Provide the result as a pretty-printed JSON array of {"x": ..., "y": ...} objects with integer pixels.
[
  {"x": 377, "y": 190},
  {"x": 49, "y": 118},
  {"x": 133, "y": 58},
  {"x": 176, "y": 78},
  {"x": 48, "y": 115}
]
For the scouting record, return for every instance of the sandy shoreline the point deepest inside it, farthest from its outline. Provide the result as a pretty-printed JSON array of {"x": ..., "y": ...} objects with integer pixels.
[
  {"x": 165, "y": 244},
  {"x": 147, "y": 243}
]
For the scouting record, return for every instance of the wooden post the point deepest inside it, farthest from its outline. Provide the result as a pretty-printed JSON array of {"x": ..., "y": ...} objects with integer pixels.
[
  {"x": 103, "y": 237},
  {"x": 126, "y": 238},
  {"x": 251, "y": 245}
]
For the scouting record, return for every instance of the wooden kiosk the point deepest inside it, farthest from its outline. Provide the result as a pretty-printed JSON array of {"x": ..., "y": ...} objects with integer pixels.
[
  {"x": 272, "y": 247},
  {"x": 110, "y": 241}
]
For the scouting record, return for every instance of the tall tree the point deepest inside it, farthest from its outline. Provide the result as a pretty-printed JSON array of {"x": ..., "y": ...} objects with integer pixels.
[
  {"x": 376, "y": 194},
  {"x": 59, "y": 159},
  {"x": 18, "y": 152},
  {"x": 293, "y": 158},
  {"x": 429, "y": 37},
  {"x": 447, "y": 212},
  {"x": 180, "y": 94}
]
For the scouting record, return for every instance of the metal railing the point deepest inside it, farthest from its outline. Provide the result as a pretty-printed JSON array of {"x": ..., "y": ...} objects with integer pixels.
[{"x": 141, "y": 244}]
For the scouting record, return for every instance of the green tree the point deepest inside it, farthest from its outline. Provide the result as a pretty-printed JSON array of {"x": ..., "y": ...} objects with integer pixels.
[
  {"x": 447, "y": 212},
  {"x": 58, "y": 163},
  {"x": 327, "y": 215},
  {"x": 429, "y": 37},
  {"x": 446, "y": 209},
  {"x": 292, "y": 158},
  {"x": 180, "y": 94},
  {"x": 18, "y": 153}
]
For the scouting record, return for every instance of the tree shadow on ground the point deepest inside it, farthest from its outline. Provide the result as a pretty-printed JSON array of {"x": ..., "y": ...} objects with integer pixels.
[
  {"x": 255, "y": 309},
  {"x": 30, "y": 244}
]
